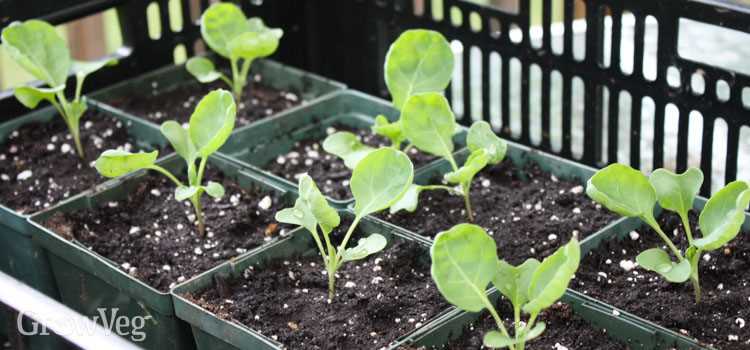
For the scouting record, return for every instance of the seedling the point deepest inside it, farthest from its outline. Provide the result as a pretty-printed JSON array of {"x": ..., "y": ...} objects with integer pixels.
[
  {"x": 210, "y": 126},
  {"x": 227, "y": 31},
  {"x": 37, "y": 47},
  {"x": 464, "y": 262},
  {"x": 418, "y": 61},
  {"x": 377, "y": 181},
  {"x": 628, "y": 192}
]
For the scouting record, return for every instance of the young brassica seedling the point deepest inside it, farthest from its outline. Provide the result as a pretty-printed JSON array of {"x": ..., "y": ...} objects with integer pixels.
[
  {"x": 377, "y": 181},
  {"x": 429, "y": 124},
  {"x": 37, "y": 47},
  {"x": 418, "y": 61},
  {"x": 210, "y": 126},
  {"x": 628, "y": 192},
  {"x": 227, "y": 31},
  {"x": 465, "y": 261}
]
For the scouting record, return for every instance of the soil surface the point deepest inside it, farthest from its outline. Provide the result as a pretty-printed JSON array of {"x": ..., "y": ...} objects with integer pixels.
[
  {"x": 609, "y": 274},
  {"x": 154, "y": 237},
  {"x": 379, "y": 299},
  {"x": 528, "y": 212},
  {"x": 564, "y": 330},
  {"x": 39, "y": 165},
  {"x": 329, "y": 171},
  {"x": 163, "y": 103}
]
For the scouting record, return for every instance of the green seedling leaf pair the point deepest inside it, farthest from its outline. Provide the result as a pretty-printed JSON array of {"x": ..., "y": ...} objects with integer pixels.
[
  {"x": 628, "y": 192},
  {"x": 377, "y": 181},
  {"x": 37, "y": 47},
  {"x": 227, "y": 31},
  {"x": 210, "y": 126},
  {"x": 465, "y": 262}
]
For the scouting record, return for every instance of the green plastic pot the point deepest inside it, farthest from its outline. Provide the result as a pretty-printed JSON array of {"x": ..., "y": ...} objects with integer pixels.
[
  {"x": 88, "y": 281},
  {"x": 19, "y": 257},
  {"x": 662, "y": 336},
  {"x": 258, "y": 144},
  {"x": 309, "y": 86},
  {"x": 623, "y": 327},
  {"x": 212, "y": 332}
]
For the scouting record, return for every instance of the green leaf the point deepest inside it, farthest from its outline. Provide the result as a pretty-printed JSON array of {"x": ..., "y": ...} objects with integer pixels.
[
  {"x": 676, "y": 192},
  {"x": 722, "y": 217},
  {"x": 475, "y": 163},
  {"x": 220, "y": 24},
  {"x": 464, "y": 261},
  {"x": 37, "y": 47},
  {"x": 214, "y": 189},
  {"x": 380, "y": 179},
  {"x": 408, "y": 201},
  {"x": 114, "y": 162},
  {"x": 623, "y": 190},
  {"x": 365, "y": 247},
  {"x": 30, "y": 96},
  {"x": 202, "y": 69},
  {"x": 182, "y": 193},
  {"x": 261, "y": 41},
  {"x": 179, "y": 138},
  {"x": 513, "y": 281},
  {"x": 552, "y": 276},
  {"x": 393, "y": 131},
  {"x": 346, "y": 146},
  {"x": 326, "y": 216},
  {"x": 418, "y": 61},
  {"x": 481, "y": 136},
  {"x": 310, "y": 209},
  {"x": 84, "y": 68},
  {"x": 212, "y": 121},
  {"x": 495, "y": 339},
  {"x": 657, "y": 260},
  {"x": 429, "y": 123}
]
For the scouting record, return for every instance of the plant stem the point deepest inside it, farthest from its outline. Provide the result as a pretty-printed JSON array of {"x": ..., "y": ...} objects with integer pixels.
[
  {"x": 524, "y": 331},
  {"x": 686, "y": 225},
  {"x": 348, "y": 235},
  {"x": 196, "y": 200},
  {"x": 649, "y": 219},
  {"x": 466, "y": 187},
  {"x": 496, "y": 317},
  {"x": 166, "y": 173},
  {"x": 73, "y": 126},
  {"x": 331, "y": 279},
  {"x": 695, "y": 275}
]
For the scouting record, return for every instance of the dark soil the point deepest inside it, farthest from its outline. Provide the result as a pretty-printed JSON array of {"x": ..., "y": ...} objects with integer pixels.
[
  {"x": 163, "y": 103},
  {"x": 153, "y": 237},
  {"x": 725, "y": 280},
  {"x": 46, "y": 153},
  {"x": 379, "y": 299},
  {"x": 564, "y": 330},
  {"x": 529, "y": 212},
  {"x": 329, "y": 171}
]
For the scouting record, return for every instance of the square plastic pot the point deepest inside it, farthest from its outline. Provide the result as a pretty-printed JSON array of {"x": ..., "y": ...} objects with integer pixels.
[
  {"x": 19, "y": 257},
  {"x": 621, "y": 327},
  {"x": 89, "y": 281},
  {"x": 279, "y": 76},
  {"x": 212, "y": 332},
  {"x": 662, "y": 336},
  {"x": 258, "y": 144}
]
